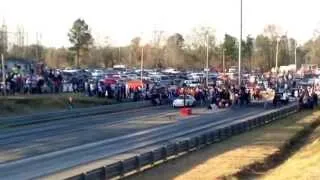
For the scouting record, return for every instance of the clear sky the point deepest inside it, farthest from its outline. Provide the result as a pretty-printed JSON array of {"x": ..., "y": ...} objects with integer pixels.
[{"x": 122, "y": 20}]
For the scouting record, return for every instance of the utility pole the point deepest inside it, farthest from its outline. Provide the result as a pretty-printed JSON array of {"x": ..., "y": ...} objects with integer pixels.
[
  {"x": 22, "y": 42},
  {"x": 295, "y": 54},
  {"x": 37, "y": 46},
  {"x": 240, "y": 42},
  {"x": 207, "y": 64},
  {"x": 4, "y": 43},
  {"x": 119, "y": 54},
  {"x": 223, "y": 62},
  {"x": 3, "y": 75},
  {"x": 277, "y": 53},
  {"x": 141, "y": 68},
  {"x": 27, "y": 44}
]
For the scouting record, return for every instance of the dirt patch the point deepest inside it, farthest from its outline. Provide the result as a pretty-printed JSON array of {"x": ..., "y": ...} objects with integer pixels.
[
  {"x": 294, "y": 144},
  {"x": 303, "y": 164},
  {"x": 233, "y": 156}
]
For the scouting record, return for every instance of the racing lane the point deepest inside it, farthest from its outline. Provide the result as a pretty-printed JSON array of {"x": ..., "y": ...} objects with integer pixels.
[
  {"x": 52, "y": 162},
  {"x": 52, "y": 136}
]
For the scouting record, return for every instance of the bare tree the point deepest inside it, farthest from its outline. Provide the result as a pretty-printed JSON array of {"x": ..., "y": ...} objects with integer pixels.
[
  {"x": 174, "y": 55},
  {"x": 157, "y": 53},
  {"x": 196, "y": 44},
  {"x": 134, "y": 55}
]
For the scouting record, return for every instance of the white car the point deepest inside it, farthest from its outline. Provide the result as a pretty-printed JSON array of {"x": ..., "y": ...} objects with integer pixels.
[
  {"x": 191, "y": 83},
  {"x": 179, "y": 102},
  {"x": 132, "y": 76},
  {"x": 97, "y": 73}
]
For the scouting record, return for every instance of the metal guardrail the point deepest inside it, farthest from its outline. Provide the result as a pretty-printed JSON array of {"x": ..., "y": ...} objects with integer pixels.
[
  {"x": 176, "y": 148},
  {"x": 80, "y": 112}
]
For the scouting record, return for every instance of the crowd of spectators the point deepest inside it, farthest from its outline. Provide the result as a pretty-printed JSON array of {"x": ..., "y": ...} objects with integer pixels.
[
  {"x": 19, "y": 82},
  {"x": 219, "y": 95}
]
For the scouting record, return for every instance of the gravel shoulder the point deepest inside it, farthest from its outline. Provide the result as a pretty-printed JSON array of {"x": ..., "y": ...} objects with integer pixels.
[{"x": 21, "y": 105}]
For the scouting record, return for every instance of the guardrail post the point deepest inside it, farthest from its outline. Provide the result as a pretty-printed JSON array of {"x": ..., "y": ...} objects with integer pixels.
[
  {"x": 262, "y": 121},
  {"x": 138, "y": 162},
  {"x": 215, "y": 136},
  {"x": 83, "y": 176},
  {"x": 197, "y": 142},
  {"x": 222, "y": 134},
  {"x": 246, "y": 126},
  {"x": 280, "y": 114},
  {"x": 239, "y": 128},
  {"x": 218, "y": 134},
  {"x": 268, "y": 118},
  {"x": 176, "y": 149},
  {"x": 243, "y": 127},
  {"x": 152, "y": 157},
  {"x": 205, "y": 139},
  {"x": 209, "y": 137},
  {"x": 229, "y": 132},
  {"x": 165, "y": 153},
  {"x": 233, "y": 129},
  {"x": 212, "y": 136},
  {"x": 253, "y": 123},
  {"x": 226, "y": 132},
  {"x": 258, "y": 122},
  {"x": 249, "y": 124},
  {"x": 121, "y": 169},
  {"x": 188, "y": 145},
  {"x": 273, "y": 116},
  {"x": 180, "y": 147}
]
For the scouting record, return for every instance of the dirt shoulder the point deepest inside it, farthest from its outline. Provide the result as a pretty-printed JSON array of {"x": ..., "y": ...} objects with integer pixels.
[
  {"x": 304, "y": 164},
  {"x": 242, "y": 153},
  {"x": 19, "y": 105}
]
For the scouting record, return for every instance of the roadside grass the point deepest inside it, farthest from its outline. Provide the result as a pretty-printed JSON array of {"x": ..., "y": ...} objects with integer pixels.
[
  {"x": 304, "y": 164},
  {"x": 236, "y": 156},
  {"x": 19, "y": 105}
]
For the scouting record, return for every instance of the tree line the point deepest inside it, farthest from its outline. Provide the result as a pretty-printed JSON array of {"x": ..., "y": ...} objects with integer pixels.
[{"x": 178, "y": 51}]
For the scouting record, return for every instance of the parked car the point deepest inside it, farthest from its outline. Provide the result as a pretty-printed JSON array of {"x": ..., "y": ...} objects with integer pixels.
[{"x": 179, "y": 102}]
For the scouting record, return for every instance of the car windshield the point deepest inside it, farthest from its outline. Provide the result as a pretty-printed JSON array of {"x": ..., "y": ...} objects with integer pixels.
[{"x": 182, "y": 97}]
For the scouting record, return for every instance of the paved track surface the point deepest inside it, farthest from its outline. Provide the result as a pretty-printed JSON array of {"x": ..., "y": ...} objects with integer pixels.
[
  {"x": 42, "y": 149},
  {"x": 43, "y": 138}
]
